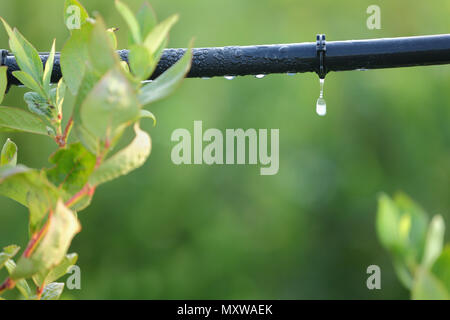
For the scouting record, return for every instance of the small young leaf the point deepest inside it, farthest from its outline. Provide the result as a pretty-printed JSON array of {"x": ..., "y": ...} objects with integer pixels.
[
  {"x": 52, "y": 291},
  {"x": 48, "y": 69},
  {"x": 124, "y": 161},
  {"x": 8, "y": 253},
  {"x": 146, "y": 18},
  {"x": 72, "y": 167},
  {"x": 141, "y": 62},
  {"x": 75, "y": 15},
  {"x": 45, "y": 277},
  {"x": 148, "y": 114},
  {"x": 3, "y": 82},
  {"x": 60, "y": 95},
  {"x": 157, "y": 55},
  {"x": 21, "y": 120},
  {"x": 22, "y": 284},
  {"x": 166, "y": 83},
  {"x": 102, "y": 55},
  {"x": 39, "y": 105},
  {"x": 112, "y": 36},
  {"x": 26, "y": 55},
  {"x": 9, "y": 154},
  {"x": 415, "y": 242},
  {"x": 74, "y": 57},
  {"x": 130, "y": 19},
  {"x": 401, "y": 227},
  {"x": 111, "y": 104},
  {"x": 159, "y": 33},
  {"x": 434, "y": 241},
  {"x": 29, "y": 82},
  {"x": 52, "y": 248},
  {"x": 387, "y": 222}
]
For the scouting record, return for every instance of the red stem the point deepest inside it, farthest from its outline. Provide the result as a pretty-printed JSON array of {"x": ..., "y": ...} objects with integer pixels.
[
  {"x": 61, "y": 140},
  {"x": 87, "y": 190}
]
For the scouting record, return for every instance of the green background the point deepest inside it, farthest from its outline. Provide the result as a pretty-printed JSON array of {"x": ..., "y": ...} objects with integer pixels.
[{"x": 189, "y": 232}]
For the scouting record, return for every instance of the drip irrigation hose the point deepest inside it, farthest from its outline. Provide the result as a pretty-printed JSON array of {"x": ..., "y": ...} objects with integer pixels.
[{"x": 291, "y": 58}]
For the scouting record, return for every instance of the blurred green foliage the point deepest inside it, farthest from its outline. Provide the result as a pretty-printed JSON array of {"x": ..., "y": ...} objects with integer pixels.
[
  {"x": 170, "y": 231},
  {"x": 416, "y": 246}
]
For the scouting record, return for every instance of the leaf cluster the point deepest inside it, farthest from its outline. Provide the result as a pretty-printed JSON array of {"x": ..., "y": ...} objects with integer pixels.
[
  {"x": 420, "y": 259},
  {"x": 110, "y": 96}
]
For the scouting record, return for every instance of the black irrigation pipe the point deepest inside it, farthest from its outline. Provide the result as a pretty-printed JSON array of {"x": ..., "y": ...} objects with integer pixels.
[{"x": 293, "y": 58}]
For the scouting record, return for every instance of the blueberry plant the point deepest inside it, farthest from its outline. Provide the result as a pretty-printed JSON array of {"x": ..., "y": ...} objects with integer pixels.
[
  {"x": 109, "y": 97},
  {"x": 416, "y": 245}
]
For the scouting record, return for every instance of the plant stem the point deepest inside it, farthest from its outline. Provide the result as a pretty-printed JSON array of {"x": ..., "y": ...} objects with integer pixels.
[
  {"x": 61, "y": 139},
  {"x": 87, "y": 190},
  {"x": 39, "y": 291},
  {"x": 68, "y": 128},
  {"x": 37, "y": 237},
  {"x": 7, "y": 285}
]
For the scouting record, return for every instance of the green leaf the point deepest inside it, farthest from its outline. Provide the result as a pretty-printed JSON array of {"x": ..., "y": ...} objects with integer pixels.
[
  {"x": 88, "y": 139},
  {"x": 91, "y": 142},
  {"x": 159, "y": 34},
  {"x": 146, "y": 18},
  {"x": 112, "y": 36},
  {"x": 428, "y": 287},
  {"x": 14, "y": 181},
  {"x": 72, "y": 167},
  {"x": 22, "y": 284},
  {"x": 124, "y": 161},
  {"x": 43, "y": 278},
  {"x": 39, "y": 105},
  {"x": 52, "y": 291},
  {"x": 74, "y": 57},
  {"x": 38, "y": 205},
  {"x": 3, "y": 82},
  {"x": 403, "y": 273},
  {"x": 75, "y": 15},
  {"x": 8, "y": 155},
  {"x": 29, "y": 82},
  {"x": 131, "y": 21},
  {"x": 157, "y": 55},
  {"x": 401, "y": 227},
  {"x": 141, "y": 62},
  {"x": 166, "y": 83},
  {"x": 148, "y": 114},
  {"x": 434, "y": 241},
  {"x": 48, "y": 69},
  {"x": 27, "y": 56},
  {"x": 8, "y": 253},
  {"x": 102, "y": 55},
  {"x": 60, "y": 95},
  {"x": 415, "y": 242},
  {"x": 32, "y": 189},
  {"x": 18, "y": 182},
  {"x": 441, "y": 268},
  {"x": 62, "y": 226},
  {"x": 110, "y": 105},
  {"x": 21, "y": 120}
]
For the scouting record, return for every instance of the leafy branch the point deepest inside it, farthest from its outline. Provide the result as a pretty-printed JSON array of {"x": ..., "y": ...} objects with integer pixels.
[
  {"x": 110, "y": 96},
  {"x": 416, "y": 245}
]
